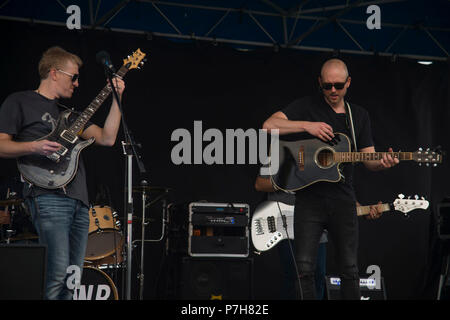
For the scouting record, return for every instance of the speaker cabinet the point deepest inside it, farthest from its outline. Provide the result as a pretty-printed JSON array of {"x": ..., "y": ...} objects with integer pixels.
[
  {"x": 216, "y": 278},
  {"x": 368, "y": 287},
  {"x": 22, "y": 271}
]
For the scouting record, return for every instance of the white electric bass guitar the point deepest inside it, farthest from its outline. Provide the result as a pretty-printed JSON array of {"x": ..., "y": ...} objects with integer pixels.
[{"x": 267, "y": 227}]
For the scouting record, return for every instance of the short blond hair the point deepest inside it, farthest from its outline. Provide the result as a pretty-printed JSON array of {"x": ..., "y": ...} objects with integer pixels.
[{"x": 56, "y": 57}]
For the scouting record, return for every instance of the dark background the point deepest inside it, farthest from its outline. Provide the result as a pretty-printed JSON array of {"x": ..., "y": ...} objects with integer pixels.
[{"x": 226, "y": 88}]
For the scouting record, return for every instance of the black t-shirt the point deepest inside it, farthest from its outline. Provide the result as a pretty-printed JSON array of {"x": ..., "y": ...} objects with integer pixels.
[
  {"x": 28, "y": 116},
  {"x": 315, "y": 109}
]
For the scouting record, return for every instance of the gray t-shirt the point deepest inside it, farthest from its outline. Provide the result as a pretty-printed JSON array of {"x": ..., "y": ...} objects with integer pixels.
[{"x": 28, "y": 116}]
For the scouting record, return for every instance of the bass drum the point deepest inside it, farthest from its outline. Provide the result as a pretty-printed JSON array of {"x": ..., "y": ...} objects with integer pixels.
[{"x": 95, "y": 285}]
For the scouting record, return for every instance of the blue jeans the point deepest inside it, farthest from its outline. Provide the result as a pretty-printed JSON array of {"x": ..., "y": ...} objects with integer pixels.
[{"x": 62, "y": 224}]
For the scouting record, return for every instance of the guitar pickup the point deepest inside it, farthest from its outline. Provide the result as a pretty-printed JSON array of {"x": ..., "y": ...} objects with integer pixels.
[
  {"x": 66, "y": 135},
  {"x": 56, "y": 156},
  {"x": 62, "y": 151},
  {"x": 271, "y": 225}
]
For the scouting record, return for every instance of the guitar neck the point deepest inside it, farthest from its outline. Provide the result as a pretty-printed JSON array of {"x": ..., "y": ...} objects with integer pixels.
[
  {"x": 364, "y": 210},
  {"x": 369, "y": 156},
  {"x": 78, "y": 125}
]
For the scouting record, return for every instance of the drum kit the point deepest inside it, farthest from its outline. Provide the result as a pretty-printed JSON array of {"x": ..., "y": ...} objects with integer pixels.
[{"x": 105, "y": 251}]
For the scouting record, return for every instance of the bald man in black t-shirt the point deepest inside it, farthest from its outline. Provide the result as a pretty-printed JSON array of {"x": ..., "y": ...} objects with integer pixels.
[{"x": 326, "y": 204}]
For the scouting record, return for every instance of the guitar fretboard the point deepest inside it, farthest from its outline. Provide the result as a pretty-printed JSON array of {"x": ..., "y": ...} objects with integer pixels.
[
  {"x": 364, "y": 210},
  {"x": 369, "y": 156},
  {"x": 84, "y": 117}
]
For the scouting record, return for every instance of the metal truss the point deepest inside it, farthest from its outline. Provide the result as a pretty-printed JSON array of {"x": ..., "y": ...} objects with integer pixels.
[{"x": 291, "y": 37}]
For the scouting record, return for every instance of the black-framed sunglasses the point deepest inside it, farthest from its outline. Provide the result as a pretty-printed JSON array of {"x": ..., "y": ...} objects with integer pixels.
[
  {"x": 74, "y": 77},
  {"x": 336, "y": 85}
]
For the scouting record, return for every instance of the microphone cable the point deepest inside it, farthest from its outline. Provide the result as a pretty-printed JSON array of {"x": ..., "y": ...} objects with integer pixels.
[{"x": 283, "y": 218}]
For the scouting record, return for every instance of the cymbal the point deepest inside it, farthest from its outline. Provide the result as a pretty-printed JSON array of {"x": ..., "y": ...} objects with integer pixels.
[
  {"x": 10, "y": 202},
  {"x": 150, "y": 189}
]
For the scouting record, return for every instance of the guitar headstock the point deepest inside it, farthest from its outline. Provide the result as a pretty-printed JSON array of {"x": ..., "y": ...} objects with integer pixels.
[
  {"x": 135, "y": 61},
  {"x": 406, "y": 205},
  {"x": 429, "y": 157}
]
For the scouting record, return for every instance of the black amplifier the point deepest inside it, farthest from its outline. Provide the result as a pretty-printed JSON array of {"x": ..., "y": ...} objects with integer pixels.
[{"x": 218, "y": 229}]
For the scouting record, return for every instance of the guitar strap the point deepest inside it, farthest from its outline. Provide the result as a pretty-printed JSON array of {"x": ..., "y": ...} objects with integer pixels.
[{"x": 350, "y": 123}]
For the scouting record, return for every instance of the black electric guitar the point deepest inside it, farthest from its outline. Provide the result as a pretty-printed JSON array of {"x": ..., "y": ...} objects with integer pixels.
[
  {"x": 267, "y": 227},
  {"x": 59, "y": 168},
  {"x": 313, "y": 160}
]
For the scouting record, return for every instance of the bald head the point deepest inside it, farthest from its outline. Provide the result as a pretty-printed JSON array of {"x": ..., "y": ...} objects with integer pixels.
[
  {"x": 334, "y": 81},
  {"x": 335, "y": 66}
]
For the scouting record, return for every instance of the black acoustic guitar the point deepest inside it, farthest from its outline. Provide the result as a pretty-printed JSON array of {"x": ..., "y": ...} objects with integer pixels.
[
  {"x": 59, "y": 168},
  {"x": 305, "y": 162}
]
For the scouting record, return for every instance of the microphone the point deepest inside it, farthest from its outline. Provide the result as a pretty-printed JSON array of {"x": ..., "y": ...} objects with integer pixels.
[{"x": 104, "y": 59}]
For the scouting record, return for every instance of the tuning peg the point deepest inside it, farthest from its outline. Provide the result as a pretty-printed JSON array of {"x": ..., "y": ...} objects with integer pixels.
[
  {"x": 435, "y": 165},
  {"x": 422, "y": 198},
  {"x": 420, "y": 149},
  {"x": 416, "y": 197},
  {"x": 420, "y": 164},
  {"x": 401, "y": 195},
  {"x": 428, "y": 164},
  {"x": 409, "y": 197}
]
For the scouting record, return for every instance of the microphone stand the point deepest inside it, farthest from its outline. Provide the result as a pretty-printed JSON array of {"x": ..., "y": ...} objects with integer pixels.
[{"x": 129, "y": 150}]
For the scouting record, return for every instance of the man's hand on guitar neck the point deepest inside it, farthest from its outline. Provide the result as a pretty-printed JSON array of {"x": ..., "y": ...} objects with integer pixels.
[
  {"x": 106, "y": 135},
  {"x": 388, "y": 161},
  {"x": 375, "y": 211},
  {"x": 385, "y": 163}
]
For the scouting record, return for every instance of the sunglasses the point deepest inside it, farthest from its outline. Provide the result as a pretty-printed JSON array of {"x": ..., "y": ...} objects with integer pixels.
[
  {"x": 336, "y": 85},
  {"x": 74, "y": 77}
]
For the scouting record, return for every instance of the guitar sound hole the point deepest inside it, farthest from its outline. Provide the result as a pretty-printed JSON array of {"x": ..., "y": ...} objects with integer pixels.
[{"x": 325, "y": 158}]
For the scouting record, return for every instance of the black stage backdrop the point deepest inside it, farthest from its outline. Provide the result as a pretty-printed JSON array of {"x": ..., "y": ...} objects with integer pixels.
[{"x": 226, "y": 88}]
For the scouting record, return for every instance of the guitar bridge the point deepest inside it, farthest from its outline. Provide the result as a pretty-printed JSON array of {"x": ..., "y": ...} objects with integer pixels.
[
  {"x": 56, "y": 156},
  {"x": 301, "y": 158},
  {"x": 258, "y": 227}
]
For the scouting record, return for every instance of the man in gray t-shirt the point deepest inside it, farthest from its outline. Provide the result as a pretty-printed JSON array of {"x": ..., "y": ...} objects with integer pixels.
[{"x": 61, "y": 217}]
